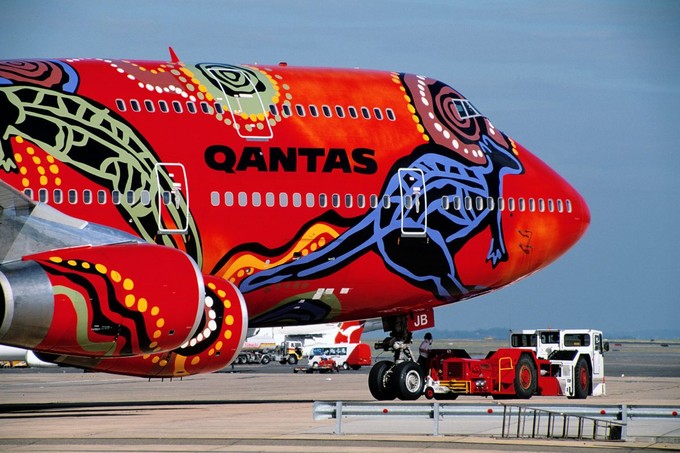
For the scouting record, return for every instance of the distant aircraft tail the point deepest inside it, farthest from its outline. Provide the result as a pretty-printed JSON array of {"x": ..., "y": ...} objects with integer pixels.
[{"x": 349, "y": 332}]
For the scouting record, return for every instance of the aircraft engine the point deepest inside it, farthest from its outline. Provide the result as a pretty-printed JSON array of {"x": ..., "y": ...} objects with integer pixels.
[
  {"x": 215, "y": 344},
  {"x": 102, "y": 301}
]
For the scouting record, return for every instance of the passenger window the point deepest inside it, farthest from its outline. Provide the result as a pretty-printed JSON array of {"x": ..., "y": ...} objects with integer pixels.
[
  {"x": 286, "y": 110},
  {"x": 42, "y": 195},
  {"x": 309, "y": 200},
  {"x": 177, "y": 106},
  {"x": 457, "y": 204},
  {"x": 269, "y": 199},
  {"x": 326, "y": 111},
  {"x": 163, "y": 106},
  {"x": 560, "y": 206},
  {"x": 215, "y": 198},
  {"x": 349, "y": 202},
  {"x": 551, "y": 205},
  {"x": 352, "y": 112},
  {"x": 468, "y": 203},
  {"x": 101, "y": 196},
  {"x": 490, "y": 203},
  {"x": 361, "y": 201},
  {"x": 521, "y": 204},
  {"x": 58, "y": 196},
  {"x": 120, "y": 104},
  {"x": 511, "y": 204},
  {"x": 390, "y": 114},
  {"x": 373, "y": 201},
  {"x": 335, "y": 200},
  {"x": 408, "y": 202},
  {"x": 446, "y": 203},
  {"x": 205, "y": 108},
  {"x": 479, "y": 203},
  {"x": 145, "y": 198},
  {"x": 300, "y": 109},
  {"x": 72, "y": 196},
  {"x": 339, "y": 111},
  {"x": 134, "y": 104},
  {"x": 115, "y": 197},
  {"x": 378, "y": 113},
  {"x": 568, "y": 203},
  {"x": 532, "y": 205},
  {"x": 167, "y": 198},
  {"x": 313, "y": 111},
  {"x": 218, "y": 108},
  {"x": 256, "y": 199},
  {"x": 87, "y": 196},
  {"x": 323, "y": 200},
  {"x": 297, "y": 200},
  {"x": 273, "y": 109},
  {"x": 130, "y": 197},
  {"x": 149, "y": 106},
  {"x": 283, "y": 199},
  {"x": 191, "y": 107},
  {"x": 386, "y": 202},
  {"x": 242, "y": 199},
  {"x": 228, "y": 199},
  {"x": 501, "y": 204},
  {"x": 28, "y": 193},
  {"x": 365, "y": 113},
  {"x": 541, "y": 205}
]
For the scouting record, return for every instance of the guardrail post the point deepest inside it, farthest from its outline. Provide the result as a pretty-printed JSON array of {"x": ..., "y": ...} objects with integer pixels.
[
  {"x": 338, "y": 417},
  {"x": 624, "y": 420},
  {"x": 435, "y": 414}
]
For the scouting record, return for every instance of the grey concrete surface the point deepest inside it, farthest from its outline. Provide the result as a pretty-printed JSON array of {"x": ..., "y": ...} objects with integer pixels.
[{"x": 249, "y": 411}]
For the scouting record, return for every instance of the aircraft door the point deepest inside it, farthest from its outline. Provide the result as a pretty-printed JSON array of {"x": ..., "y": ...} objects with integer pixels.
[
  {"x": 249, "y": 116},
  {"x": 413, "y": 195},
  {"x": 172, "y": 200}
]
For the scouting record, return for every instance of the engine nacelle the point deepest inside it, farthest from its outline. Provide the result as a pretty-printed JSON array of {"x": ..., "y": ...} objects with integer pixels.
[
  {"x": 103, "y": 301},
  {"x": 216, "y": 343}
]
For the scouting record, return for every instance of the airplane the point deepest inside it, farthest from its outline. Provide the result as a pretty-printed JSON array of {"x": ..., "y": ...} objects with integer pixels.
[
  {"x": 343, "y": 332},
  {"x": 153, "y": 211}
]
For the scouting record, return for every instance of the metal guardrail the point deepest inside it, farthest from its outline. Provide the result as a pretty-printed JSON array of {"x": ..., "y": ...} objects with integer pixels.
[{"x": 587, "y": 418}]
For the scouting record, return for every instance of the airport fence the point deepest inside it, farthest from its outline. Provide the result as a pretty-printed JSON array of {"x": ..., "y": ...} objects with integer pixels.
[{"x": 573, "y": 421}]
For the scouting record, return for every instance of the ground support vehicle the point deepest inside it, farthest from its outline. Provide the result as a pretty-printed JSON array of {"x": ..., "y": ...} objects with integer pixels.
[
  {"x": 505, "y": 373},
  {"x": 540, "y": 362},
  {"x": 346, "y": 355},
  {"x": 288, "y": 352},
  {"x": 322, "y": 366},
  {"x": 251, "y": 357}
]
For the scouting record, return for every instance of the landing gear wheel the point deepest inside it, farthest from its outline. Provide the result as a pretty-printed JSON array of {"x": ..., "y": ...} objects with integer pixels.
[
  {"x": 379, "y": 381},
  {"x": 581, "y": 379},
  {"x": 525, "y": 377},
  {"x": 407, "y": 381}
]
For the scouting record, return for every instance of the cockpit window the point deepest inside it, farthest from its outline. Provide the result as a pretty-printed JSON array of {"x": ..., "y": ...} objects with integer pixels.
[{"x": 465, "y": 109}]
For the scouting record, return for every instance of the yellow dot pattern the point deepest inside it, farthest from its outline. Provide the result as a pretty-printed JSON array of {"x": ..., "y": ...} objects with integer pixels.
[
  {"x": 411, "y": 108},
  {"x": 36, "y": 171}
]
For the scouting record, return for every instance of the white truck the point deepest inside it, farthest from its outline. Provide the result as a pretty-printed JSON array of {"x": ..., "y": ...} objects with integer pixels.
[{"x": 576, "y": 357}]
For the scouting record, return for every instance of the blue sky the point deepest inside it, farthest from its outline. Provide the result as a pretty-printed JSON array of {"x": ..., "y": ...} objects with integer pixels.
[{"x": 593, "y": 88}]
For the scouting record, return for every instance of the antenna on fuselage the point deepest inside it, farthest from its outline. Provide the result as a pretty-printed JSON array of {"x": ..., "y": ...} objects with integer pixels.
[{"x": 173, "y": 56}]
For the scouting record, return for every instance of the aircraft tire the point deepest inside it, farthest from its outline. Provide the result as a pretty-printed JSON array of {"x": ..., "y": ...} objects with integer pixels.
[
  {"x": 408, "y": 381},
  {"x": 379, "y": 381},
  {"x": 526, "y": 377}
]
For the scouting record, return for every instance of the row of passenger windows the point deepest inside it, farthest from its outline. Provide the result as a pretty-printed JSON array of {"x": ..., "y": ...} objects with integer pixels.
[
  {"x": 73, "y": 196},
  {"x": 323, "y": 200},
  {"x": 309, "y": 200},
  {"x": 287, "y": 110}
]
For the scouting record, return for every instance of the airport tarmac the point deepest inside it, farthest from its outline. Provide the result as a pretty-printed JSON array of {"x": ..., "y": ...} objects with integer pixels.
[{"x": 269, "y": 408}]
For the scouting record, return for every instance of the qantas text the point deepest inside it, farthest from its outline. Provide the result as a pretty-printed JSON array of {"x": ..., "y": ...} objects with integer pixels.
[{"x": 359, "y": 160}]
